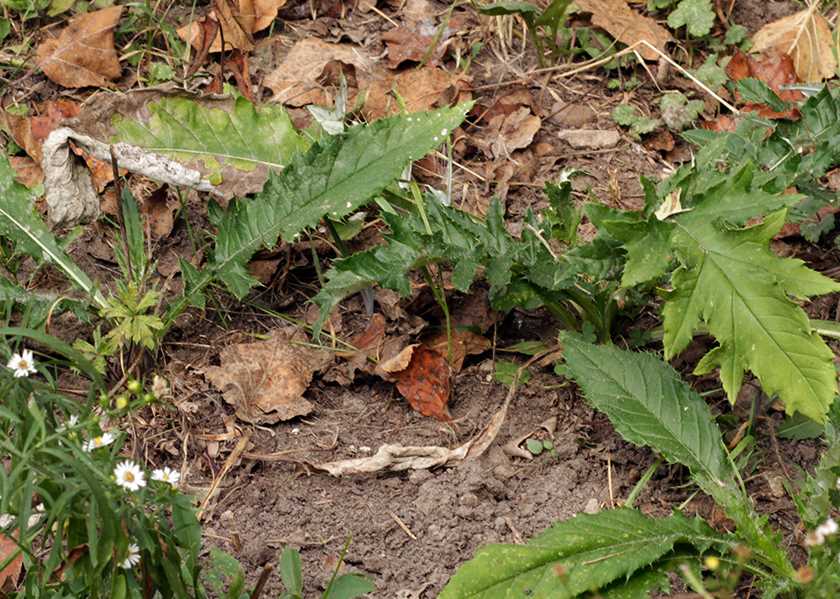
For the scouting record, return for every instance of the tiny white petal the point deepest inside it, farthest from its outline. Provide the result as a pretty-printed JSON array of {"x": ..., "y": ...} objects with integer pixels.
[
  {"x": 133, "y": 557},
  {"x": 167, "y": 475},
  {"x": 22, "y": 364},
  {"x": 97, "y": 442},
  {"x": 129, "y": 476}
]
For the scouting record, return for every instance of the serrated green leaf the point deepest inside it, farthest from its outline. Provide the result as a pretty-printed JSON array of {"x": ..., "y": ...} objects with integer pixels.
[
  {"x": 575, "y": 556},
  {"x": 335, "y": 177},
  {"x": 215, "y": 141},
  {"x": 697, "y": 16},
  {"x": 641, "y": 584},
  {"x": 679, "y": 112},
  {"x": 712, "y": 74},
  {"x": 20, "y": 223},
  {"x": 732, "y": 282},
  {"x": 628, "y": 116},
  {"x": 650, "y": 405},
  {"x": 754, "y": 90},
  {"x": 349, "y": 586}
]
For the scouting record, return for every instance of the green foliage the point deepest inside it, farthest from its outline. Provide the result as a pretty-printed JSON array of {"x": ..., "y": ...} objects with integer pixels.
[
  {"x": 337, "y": 176},
  {"x": 22, "y": 226},
  {"x": 505, "y": 373},
  {"x": 345, "y": 586},
  {"x": 627, "y": 115},
  {"x": 650, "y": 405},
  {"x": 521, "y": 272},
  {"x": 576, "y": 556},
  {"x": 711, "y": 73},
  {"x": 62, "y": 504},
  {"x": 129, "y": 310},
  {"x": 678, "y": 112},
  {"x": 551, "y": 19},
  {"x": 698, "y": 17},
  {"x": 754, "y": 90},
  {"x": 730, "y": 283},
  {"x": 242, "y": 138}
]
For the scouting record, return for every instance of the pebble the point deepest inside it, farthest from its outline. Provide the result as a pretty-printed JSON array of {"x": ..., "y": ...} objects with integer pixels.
[
  {"x": 590, "y": 139},
  {"x": 592, "y": 506}
]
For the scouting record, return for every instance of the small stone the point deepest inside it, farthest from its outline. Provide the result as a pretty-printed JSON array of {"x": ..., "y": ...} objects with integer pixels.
[
  {"x": 226, "y": 516},
  {"x": 469, "y": 500},
  {"x": 592, "y": 506},
  {"x": 590, "y": 139},
  {"x": 419, "y": 476},
  {"x": 573, "y": 115}
]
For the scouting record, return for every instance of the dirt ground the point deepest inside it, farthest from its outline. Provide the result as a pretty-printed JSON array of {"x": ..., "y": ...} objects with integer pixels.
[{"x": 409, "y": 531}]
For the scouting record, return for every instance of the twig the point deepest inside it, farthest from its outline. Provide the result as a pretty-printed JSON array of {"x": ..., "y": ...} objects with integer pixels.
[
  {"x": 229, "y": 462},
  {"x": 258, "y": 589},
  {"x": 403, "y": 525}
]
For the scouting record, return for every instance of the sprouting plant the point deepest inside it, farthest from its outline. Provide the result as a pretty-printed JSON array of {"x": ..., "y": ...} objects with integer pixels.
[
  {"x": 340, "y": 586},
  {"x": 543, "y": 24},
  {"x": 622, "y": 552}
]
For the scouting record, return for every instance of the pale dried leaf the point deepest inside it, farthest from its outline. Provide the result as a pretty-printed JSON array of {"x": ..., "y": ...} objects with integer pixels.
[
  {"x": 626, "y": 25},
  {"x": 295, "y": 81},
  {"x": 512, "y": 132},
  {"x": 806, "y": 37},
  {"x": 265, "y": 380},
  {"x": 83, "y": 54}
]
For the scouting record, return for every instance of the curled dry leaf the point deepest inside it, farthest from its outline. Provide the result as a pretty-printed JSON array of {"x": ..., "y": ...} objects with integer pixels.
[
  {"x": 626, "y": 25},
  {"x": 83, "y": 54},
  {"x": 238, "y": 20},
  {"x": 426, "y": 383},
  {"x": 463, "y": 343},
  {"x": 507, "y": 133},
  {"x": 9, "y": 575},
  {"x": 806, "y": 37},
  {"x": 265, "y": 380},
  {"x": 298, "y": 80}
]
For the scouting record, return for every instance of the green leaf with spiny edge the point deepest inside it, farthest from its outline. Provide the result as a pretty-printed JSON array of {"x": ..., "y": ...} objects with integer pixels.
[
  {"x": 650, "y": 405},
  {"x": 733, "y": 283},
  {"x": 215, "y": 141},
  {"x": 21, "y": 224},
  {"x": 334, "y": 178},
  {"x": 584, "y": 553}
]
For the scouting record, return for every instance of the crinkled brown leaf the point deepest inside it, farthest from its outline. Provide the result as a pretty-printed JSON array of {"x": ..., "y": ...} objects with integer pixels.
[
  {"x": 426, "y": 383},
  {"x": 10, "y": 574},
  {"x": 514, "y": 131},
  {"x": 463, "y": 343},
  {"x": 804, "y": 36},
  {"x": 420, "y": 89},
  {"x": 238, "y": 21},
  {"x": 83, "y": 54},
  {"x": 626, "y": 25},
  {"x": 776, "y": 71},
  {"x": 265, "y": 380}
]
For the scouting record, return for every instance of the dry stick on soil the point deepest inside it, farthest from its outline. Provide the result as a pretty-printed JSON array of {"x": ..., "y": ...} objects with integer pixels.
[
  {"x": 403, "y": 525},
  {"x": 229, "y": 462},
  {"x": 267, "y": 569}
]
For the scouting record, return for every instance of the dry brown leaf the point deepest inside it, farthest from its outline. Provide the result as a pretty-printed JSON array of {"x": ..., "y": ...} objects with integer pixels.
[
  {"x": 396, "y": 363},
  {"x": 295, "y": 81},
  {"x": 265, "y": 380},
  {"x": 426, "y": 383},
  {"x": 83, "y": 54},
  {"x": 626, "y": 25},
  {"x": 238, "y": 23},
  {"x": 10, "y": 574},
  {"x": 774, "y": 69},
  {"x": 806, "y": 38},
  {"x": 464, "y": 343},
  {"x": 406, "y": 44},
  {"x": 420, "y": 89},
  {"x": 27, "y": 172},
  {"x": 514, "y": 131}
]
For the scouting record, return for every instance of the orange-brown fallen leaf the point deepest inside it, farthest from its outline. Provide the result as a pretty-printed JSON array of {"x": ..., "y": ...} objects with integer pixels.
[
  {"x": 27, "y": 172},
  {"x": 626, "y": 25},
  {"x": 776, "y": 71},
  {"x": 804, "y": 36},
  {"x": 463, "y": 343},
  {"x": 238, "y": 22},
  {"x": 10, "y": 574},
  {"x": 426, "y": 383},
  {"x": 83, "y": 54},
  {"x": 265, "y": 380}
]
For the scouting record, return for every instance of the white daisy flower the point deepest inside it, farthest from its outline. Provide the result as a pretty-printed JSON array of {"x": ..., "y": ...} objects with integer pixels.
[
  {"x": 167, "y": 475},
  {"x": 23, "y": 364},
  {"x": 133, "y": 557},
  {"x": 828, "y": 528},
  {"x": 130, "y": 476},
  {"x": 69, "y": 423},
  {"x": 97, "y": 442}
]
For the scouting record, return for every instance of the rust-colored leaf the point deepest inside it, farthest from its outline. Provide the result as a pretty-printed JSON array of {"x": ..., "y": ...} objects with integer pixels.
[
  {"x": 10, "y": 574},
  {"x": 464, "y": 343},
  {"x": 27, "y": 172},
  {"x": 426, "y": 383},
  {"x": 83, "y": 54},
  {"x": 775, "y": 70}
]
